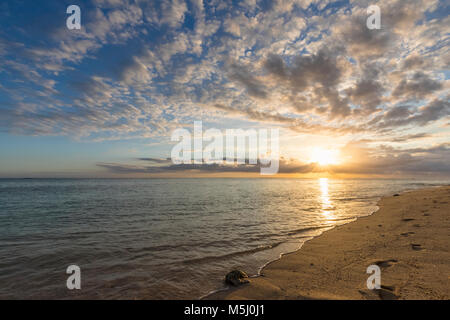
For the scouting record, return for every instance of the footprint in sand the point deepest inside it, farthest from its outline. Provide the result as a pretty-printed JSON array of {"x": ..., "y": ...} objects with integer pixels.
[
  {"x": 408, "y": 219},
  {"x": 387, "y": 293},
  {"x": 386, "y": 263},
  {"x": 384, "y": 293},
  {"x": 407, "y": 234},
  {"x": 416, "y": 246}
]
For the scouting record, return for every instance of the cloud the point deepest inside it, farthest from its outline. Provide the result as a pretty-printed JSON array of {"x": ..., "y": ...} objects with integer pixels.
[
  {"x": 405, "y": 116},
  {"x": 140, "y": 69},
  {"x": 307, "y": 70},
  {"x": 244, "y": 76},
  {"x": 410, "y": 137},
  {"x": 417, "y": 87},
  {"x": 172, "y": 12},
  {"x": 286, "y": 166},
  {"x": 387, "y": 160},
  {"x": 316, "y": 74},
  {"x": 155, "y": 160},
  {"x": 364, "y": 160},
  {"x": 135, "y": 71}
]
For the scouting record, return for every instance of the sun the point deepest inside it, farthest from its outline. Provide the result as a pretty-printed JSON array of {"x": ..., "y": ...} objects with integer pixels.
[{"x": 324, "y": 157}]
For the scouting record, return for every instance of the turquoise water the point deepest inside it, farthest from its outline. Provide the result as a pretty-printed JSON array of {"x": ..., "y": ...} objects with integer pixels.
[{"x": 163, "y": 238}]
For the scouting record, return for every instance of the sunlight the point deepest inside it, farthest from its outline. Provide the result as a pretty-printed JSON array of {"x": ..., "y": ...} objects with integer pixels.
[
  {"x": 327, "y": 206},
  {"x": 324, "y": 191},
  {"x": 324, "y": 156}
]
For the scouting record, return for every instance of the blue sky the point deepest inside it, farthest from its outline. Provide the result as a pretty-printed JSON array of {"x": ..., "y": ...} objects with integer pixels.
[{"x": 86, "y": 102}]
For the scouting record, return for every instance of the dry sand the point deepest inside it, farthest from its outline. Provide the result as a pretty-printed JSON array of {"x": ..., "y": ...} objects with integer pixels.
[{"x": 408, "y": 238}]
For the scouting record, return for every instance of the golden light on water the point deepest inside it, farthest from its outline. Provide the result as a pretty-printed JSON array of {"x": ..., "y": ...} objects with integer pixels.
[{"x": 327, "y": 205}]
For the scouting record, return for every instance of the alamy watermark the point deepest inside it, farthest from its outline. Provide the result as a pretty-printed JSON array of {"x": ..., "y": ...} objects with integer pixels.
[
  {"x": 374, "y": 281},
  {"x": 74, "y": 20},
  {"x": 74, "y": 280},
  {"x": 374, "y": 20},
  {"x": 234, "y": 147}
]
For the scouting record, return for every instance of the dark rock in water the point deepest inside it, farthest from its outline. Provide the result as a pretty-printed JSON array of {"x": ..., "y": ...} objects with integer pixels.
[
  {"x": 396, "y": 195},
  {"x": 236, "y": 277}
]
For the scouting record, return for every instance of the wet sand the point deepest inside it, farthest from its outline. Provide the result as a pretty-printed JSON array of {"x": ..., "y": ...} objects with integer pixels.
[{"x": 408, "y": 238}]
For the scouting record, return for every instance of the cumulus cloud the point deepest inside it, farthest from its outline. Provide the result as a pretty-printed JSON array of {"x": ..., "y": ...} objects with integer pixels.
[
  {"x": 404, "y": 115},
  {"x": 279, "y": 61},
  {"x": 244, "y": 76},
  {"x": 417, "y": 87}
]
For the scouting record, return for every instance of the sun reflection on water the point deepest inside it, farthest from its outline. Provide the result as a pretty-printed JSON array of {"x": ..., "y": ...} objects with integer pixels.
[{"x": 327, "y": 205}]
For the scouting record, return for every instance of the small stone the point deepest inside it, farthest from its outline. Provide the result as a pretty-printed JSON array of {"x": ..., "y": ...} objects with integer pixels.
[{"x": 236, "y": 278}]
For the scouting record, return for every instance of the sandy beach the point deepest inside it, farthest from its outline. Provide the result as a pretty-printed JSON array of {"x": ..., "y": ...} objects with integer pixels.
[{"x": 408, "y": 238}]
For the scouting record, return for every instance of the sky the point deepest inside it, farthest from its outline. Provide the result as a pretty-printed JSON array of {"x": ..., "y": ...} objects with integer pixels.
[{"x": 104, "y": 100}]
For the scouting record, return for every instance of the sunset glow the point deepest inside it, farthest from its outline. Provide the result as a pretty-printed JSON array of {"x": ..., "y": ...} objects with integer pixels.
[{"x": 325, "y": 157}]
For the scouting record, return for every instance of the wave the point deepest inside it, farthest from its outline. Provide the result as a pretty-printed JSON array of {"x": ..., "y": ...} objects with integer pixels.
[
  {"x": 231, "y": 255},
  {"x": 302, "y": 230}
]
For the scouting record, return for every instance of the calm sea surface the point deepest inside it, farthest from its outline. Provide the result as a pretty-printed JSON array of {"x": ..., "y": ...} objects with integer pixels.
[{"x": 163, "y": 238}]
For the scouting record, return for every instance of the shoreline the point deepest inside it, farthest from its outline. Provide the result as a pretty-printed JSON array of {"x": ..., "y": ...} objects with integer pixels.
[{"x": 336, "y": 260}]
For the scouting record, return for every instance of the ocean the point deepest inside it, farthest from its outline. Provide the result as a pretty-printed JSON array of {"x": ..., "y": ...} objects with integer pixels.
[{"x": 164, "y": 238}]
